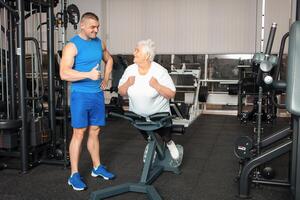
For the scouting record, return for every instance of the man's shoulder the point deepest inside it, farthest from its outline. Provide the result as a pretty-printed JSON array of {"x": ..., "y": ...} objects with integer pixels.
[
  {"x": 73, "y": 41},
  {"x": 70, "y": 49},
  {"x": 75, "y": 37}
]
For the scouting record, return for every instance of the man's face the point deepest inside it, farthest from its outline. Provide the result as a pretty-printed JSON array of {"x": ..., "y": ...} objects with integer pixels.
[{"x": 90, "y": 28}]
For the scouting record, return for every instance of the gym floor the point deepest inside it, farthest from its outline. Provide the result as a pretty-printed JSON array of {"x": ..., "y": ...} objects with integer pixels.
[{"x": 208, "y": 171}]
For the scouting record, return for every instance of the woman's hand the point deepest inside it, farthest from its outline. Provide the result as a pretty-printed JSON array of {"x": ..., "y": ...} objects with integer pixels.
[
  {"x": 154, "y": 83},
  {"x": 130, "y": 80},
  {"x": 161, "y": 89},
  {"x": 123, "y": 88}
]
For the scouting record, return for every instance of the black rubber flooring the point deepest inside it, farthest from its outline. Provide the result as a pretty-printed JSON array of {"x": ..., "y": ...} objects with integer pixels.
[{"x": 208, "y": 171}]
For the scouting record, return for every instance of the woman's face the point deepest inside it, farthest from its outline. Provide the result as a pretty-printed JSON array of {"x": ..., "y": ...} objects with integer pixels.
[{"x": 139, "y": 55}]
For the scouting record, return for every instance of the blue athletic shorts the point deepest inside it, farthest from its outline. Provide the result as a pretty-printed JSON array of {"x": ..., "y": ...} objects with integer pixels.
[{"x": 87, "y": 109}]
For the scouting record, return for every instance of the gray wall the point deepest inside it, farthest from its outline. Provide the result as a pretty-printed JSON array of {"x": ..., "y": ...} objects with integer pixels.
[
  {"x": 194, "y": 26},
  {"x": 188, "y": 26},
  {"x": 184, "y": 26}
]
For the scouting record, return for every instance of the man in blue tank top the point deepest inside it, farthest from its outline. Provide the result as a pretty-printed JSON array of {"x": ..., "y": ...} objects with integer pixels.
[{"x": 80, "y": 65}]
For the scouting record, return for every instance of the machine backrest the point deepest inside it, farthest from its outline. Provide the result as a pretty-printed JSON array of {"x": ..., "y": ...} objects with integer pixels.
[{"x": 293, "y": 75}]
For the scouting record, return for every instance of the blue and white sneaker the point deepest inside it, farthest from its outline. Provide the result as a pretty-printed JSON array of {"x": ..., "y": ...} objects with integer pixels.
[
  {"x": 76, "y": 182},
  {"x": 102, "y": 171}
]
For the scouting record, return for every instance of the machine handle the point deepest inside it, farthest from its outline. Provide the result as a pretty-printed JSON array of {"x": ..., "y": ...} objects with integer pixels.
[{"x": 120, "y": 116}]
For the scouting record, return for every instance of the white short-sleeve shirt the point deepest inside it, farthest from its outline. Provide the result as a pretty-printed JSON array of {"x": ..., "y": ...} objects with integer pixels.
[{"x": 143, "y": 99}]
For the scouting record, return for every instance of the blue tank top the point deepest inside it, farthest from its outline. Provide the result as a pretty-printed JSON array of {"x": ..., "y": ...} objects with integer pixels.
[{"x": 89, "y": 54}]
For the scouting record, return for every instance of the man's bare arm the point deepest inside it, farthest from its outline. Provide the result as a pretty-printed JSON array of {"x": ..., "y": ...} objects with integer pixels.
[
  {"x": 67, "y": 72},
  {"x": 108, "y": 62}
]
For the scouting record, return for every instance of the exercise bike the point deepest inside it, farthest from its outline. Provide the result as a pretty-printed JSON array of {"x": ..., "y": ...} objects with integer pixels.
[{"x": 153, "y": 165}]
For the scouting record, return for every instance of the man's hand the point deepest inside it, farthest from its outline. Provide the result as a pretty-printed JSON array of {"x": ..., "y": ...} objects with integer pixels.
[
  {"x": 154, "y": 83},
  {"x": 103, "y": 84},
  {"x": 95, "y": 74}
]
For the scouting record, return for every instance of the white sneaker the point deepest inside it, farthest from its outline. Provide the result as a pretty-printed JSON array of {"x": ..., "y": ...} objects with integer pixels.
[{"x": 173, "y": 150}]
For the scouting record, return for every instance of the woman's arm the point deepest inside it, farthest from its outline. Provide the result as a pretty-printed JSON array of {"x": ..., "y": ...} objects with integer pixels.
[
  {"x": 124, "y": 87},
  {"x": 162, "y": 90}
]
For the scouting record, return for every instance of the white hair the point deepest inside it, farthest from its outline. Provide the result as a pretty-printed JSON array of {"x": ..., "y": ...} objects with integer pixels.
[{"x": 148, "y": 48}]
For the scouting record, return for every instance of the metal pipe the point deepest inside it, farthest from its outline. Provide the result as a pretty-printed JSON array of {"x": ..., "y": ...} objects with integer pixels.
[
  {"x": 51, "y": 72},
  {"x": 38, "y": 57},
  {"x": 10, "y": 9},
  {"x": 12, "y": 71},
  {"x": 1, "y": 57},
  {"x": 258, "y": 121},
  {"x": 298, "y": 10},
  {"x": 33, "y": 74},
  {"x": 271, "y": 38},
  {"x": 33, "y": 84},
  {"x": 297, "y": 162},
  {"x": 32, "y": 12},
  {"x": 276, "y": 137},
  {"x": 281, "y": 51},
  {"x": 22, "y": 77},
  {"x": 40, "y": 35},
  {"x": 65, "y": 94},
  {"x": 6, "y": 66},
  {"x": 272, "y": 182},
  {"x": 277, "y": 70},
  {"x": 295, "y": 166}
]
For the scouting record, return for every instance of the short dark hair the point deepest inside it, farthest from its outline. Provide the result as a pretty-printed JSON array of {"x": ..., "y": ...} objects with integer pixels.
[{"x": 89, "y": 15}]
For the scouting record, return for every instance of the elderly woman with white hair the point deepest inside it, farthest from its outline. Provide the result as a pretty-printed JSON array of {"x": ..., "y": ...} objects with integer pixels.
[{"x": 149, "y": 88}]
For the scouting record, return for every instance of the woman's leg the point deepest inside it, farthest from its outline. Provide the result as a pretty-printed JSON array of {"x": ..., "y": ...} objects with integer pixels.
[{"x": 166, "y": 134}]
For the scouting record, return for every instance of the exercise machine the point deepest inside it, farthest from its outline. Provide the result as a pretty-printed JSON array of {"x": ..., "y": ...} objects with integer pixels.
[
  {"x": 185, "y": 106},
  {"x": 28, "y": 131},
  {"x": 249, "y": 85},
  {"x": 154, "y": 165},
  {"x": 292, "y": 144}
]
